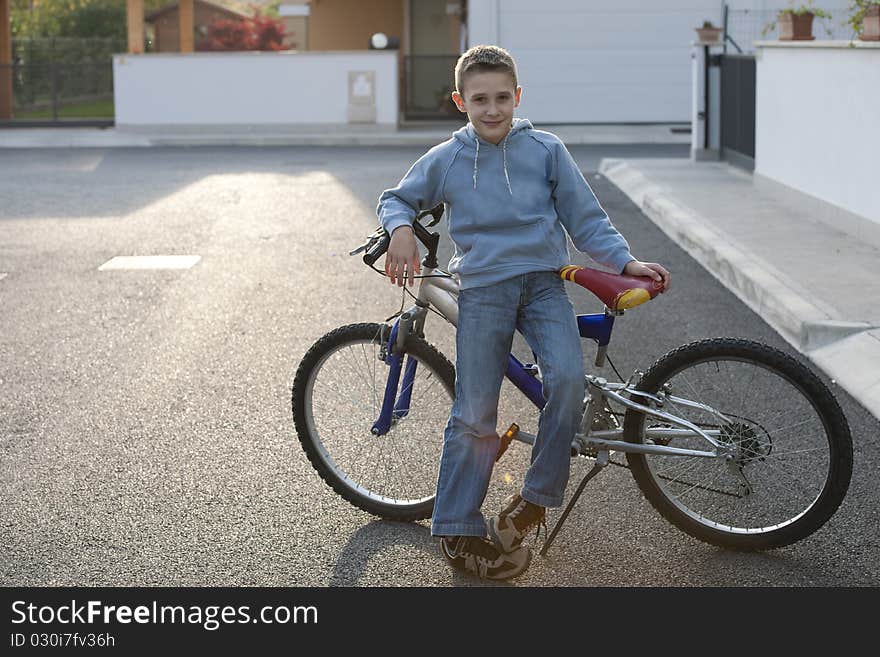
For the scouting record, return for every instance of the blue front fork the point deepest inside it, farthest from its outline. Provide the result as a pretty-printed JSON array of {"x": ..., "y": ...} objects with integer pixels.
[{"x": 390, "y": 410}]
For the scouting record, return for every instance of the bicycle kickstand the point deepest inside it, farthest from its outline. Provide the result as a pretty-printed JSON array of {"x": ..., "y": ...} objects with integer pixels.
[{"x": 601, "y": 462}]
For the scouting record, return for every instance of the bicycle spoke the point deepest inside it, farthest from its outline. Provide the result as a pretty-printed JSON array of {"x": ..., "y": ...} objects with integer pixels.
[
  {"x": 783, "y": 470},
  {"x": 409, "y": 419},
  {"x": 372, "y": 370},
  {"x": 777, "y": 454},
  {"x": 690, "y": 463},
  {"x": 789, "y": 427},
  {"x": 355, "y": 403},
  {"x": 701, "y": 486},
  {"x": 781, "y": 467},
  {"x": 425, "y": 391},
  {"x": 353, "y": 368}
]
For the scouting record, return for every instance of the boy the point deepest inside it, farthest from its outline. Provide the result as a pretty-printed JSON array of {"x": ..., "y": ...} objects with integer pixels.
[{"x": 511, "y": 193}]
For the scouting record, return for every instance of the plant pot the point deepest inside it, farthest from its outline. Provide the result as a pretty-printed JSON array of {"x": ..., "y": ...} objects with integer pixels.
[
  {"x": 709, "y": 34},
  {"x": 871, "y": 24},
  {"x": 796, "y": 27}
]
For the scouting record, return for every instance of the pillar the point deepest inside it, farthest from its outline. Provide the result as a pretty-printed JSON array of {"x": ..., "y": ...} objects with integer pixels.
[
  {"x": 135, "y": 17},
  {"x": 5, "y": 62},
  {"x": 185, "y": 14}
]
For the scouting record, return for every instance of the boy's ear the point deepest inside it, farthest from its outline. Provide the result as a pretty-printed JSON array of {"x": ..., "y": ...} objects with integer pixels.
[
  {"x": 518, "y": 97},
  {"x": 459, "y": 101}
]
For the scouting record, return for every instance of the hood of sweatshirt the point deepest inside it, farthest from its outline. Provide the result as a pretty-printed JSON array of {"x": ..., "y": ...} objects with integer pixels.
[{"x": 468, "y": 135}]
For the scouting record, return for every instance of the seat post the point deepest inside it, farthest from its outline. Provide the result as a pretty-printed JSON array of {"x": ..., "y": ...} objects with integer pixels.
[{"x": 602, "y": 349}]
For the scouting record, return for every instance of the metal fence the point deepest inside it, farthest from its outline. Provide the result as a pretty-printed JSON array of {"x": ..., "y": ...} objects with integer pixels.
[
  {"x": 745, "y": 26},
  {"x": 62, "y": 80}
]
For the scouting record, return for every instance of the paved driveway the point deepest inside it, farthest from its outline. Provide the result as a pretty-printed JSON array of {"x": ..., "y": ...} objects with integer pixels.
[{"x": 145, "y": 428}]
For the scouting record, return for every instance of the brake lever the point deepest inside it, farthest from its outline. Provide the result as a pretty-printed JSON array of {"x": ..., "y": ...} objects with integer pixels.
[
  {"x": 360, "y": 249},
  {"x": 371, "y": 239}
]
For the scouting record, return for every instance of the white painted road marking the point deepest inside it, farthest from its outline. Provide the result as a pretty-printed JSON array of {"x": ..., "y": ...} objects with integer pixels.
[
  {"x": 3, "y": 275},
  {"x": 150, "y": 262}
]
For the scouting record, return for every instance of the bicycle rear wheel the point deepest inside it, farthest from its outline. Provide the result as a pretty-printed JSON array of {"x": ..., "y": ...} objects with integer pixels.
[
  {"x": 337, "y": 396},
  {"x": 790, "y": 447}
]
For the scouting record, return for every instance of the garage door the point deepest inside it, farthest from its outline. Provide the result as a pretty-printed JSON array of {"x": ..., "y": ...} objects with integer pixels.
[{"x": 600, "y": 60}]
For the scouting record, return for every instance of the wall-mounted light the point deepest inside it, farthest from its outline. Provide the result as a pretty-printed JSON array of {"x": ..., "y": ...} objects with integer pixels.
[{"x": 381, "y": 41}]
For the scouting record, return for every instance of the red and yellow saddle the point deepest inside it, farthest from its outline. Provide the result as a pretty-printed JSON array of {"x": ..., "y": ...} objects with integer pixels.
[{"x": 617, "y": 291}]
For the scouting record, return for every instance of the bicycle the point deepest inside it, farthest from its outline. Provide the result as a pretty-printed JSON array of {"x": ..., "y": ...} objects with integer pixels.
[{"x": 759, "y": 458}]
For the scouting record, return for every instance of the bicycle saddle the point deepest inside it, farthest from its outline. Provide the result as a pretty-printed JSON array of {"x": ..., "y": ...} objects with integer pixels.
[{"x": 617, "y": 291}]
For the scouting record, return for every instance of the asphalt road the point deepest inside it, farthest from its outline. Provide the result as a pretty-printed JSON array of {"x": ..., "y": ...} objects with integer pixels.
[{"x": 145, "y": 426}]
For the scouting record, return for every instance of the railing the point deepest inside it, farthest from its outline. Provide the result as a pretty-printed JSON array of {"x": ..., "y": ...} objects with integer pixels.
[{"x": 742, "y": 27}]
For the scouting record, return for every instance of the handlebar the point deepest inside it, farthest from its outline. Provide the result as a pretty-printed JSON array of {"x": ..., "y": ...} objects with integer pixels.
[
  {"x": 377, "y": 243},
  {"x": 379, "y": 247}
]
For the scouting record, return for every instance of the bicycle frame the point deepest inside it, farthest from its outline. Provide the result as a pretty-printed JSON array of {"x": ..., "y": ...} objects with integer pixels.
[{"x": 441, "y": 293}]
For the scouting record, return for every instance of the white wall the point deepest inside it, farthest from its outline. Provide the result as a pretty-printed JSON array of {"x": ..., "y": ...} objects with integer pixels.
[
  {"x": 816, "y": 120},
  {"x": 587, "y": 61},
  {"x": 250, "y": 88}
]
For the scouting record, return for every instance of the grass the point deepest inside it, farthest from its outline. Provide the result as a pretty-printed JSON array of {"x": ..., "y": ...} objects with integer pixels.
[{"x": 97, "y": 109}]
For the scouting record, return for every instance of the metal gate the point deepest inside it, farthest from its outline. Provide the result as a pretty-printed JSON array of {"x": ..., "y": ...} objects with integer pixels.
[
  {"x": 738, "y": 109},
  {"x": 61, "y": 81}
]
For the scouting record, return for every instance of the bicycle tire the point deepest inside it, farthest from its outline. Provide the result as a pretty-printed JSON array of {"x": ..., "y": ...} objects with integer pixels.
[
  {"x": 761, "y": 453},
  {"x": 339, "y": 456}
]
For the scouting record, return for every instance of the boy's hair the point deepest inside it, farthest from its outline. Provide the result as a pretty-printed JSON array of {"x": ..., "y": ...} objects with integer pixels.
[{"x": 480, "y": 59}]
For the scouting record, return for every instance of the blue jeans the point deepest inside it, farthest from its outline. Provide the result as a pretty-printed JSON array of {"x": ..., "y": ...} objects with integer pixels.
[{"x": 537, "y": 305}]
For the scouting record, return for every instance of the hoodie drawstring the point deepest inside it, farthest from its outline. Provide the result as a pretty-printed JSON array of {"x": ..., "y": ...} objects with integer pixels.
[
  {"x": 475, "y": 161},
  {"x": 504, "y": 153},
  {"x": 506, "y": 177}
]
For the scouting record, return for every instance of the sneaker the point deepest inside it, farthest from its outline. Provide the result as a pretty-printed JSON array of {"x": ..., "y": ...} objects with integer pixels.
[
  {"x": 508, "y": 529},
  {"x": 477, "y": 555}
]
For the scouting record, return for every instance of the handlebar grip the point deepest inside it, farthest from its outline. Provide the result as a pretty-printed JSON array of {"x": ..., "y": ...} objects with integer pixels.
[{"x": 376, "y": 251}]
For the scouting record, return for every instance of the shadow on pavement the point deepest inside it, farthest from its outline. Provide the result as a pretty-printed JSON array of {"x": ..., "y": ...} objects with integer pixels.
[{"x": 378, "y": 536}]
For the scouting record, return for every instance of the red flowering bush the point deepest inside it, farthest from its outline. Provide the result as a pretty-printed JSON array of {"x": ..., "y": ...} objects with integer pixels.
[
  {"x": 226, "y": 34},
  {"x": 257, "y": 33},
  {"x": 268, "y": 33}
]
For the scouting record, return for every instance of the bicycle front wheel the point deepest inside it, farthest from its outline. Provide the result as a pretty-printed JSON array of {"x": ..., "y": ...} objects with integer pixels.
[
  {"x": 337, "y": 397},
  {"x": 788, "y": 444}
]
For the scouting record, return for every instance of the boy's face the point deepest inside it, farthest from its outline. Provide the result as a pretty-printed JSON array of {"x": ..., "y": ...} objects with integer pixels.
[{"x": 489, "y": 99}]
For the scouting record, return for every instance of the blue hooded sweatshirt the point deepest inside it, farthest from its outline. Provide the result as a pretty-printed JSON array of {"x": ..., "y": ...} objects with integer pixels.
[{"x": 508, "y": 206}]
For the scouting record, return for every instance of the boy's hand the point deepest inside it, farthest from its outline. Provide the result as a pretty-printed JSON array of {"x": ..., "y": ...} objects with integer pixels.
[
  {"x": 649, "y": 269},
  {"x": 402, "y": 257}
]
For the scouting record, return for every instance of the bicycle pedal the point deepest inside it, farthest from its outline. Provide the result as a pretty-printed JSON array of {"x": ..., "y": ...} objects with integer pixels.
[{"x": 506, "y": 439}]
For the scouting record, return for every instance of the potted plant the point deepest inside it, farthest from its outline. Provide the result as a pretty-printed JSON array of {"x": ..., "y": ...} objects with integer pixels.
[
  {"x": 709, "y": 33},
  {"x": 796, "y": 23},
  {"x": 864, "y": 19}
]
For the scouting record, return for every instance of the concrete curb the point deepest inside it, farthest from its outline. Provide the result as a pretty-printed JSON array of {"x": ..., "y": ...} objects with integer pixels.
[{"x": 849, "y": 352}]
